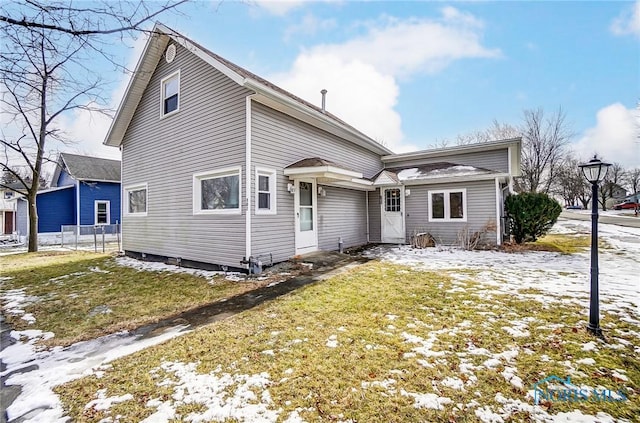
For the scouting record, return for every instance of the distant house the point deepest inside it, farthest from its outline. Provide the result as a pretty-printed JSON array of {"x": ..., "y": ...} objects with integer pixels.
[
  {"x": 8, "y": 210},
  {"x": 84, "y": 191},
  {"x": 220, "y": 165}
]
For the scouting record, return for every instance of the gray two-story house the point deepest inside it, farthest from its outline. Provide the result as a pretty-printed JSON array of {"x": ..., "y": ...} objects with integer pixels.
[{"x": 219, "y": 165}]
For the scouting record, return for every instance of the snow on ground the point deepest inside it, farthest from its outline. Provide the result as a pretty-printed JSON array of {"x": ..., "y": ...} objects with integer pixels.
[
  {"x": 154, "y": 266},
  {"x": 565, "y": 277},
  {"x": 15, "y": 300},
  {"x": 37, "y": 372}
]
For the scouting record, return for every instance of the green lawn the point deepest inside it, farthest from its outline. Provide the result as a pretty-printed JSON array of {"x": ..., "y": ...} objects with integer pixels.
[
  {"x": 80, "y": 295},
  {"x": 379, "y": 343}
]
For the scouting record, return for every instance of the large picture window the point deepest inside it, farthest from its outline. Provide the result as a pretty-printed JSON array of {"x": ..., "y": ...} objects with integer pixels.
[
  {"x": 170, "y": 88},
  {"x": 448, "y": 205},
  {"x": 265, "y": 191},
  {"x": 135, "y": 198},
  {"x": 217, "y": 191}
]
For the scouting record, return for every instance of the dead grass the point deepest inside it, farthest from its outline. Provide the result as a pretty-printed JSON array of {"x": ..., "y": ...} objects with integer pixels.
[
  {"x": 555, "y": 243},
  {"x": 80, "y": 295},
  {"x": 370, "y": 310}
]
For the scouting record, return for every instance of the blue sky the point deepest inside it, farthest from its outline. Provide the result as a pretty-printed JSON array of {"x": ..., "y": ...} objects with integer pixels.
[{"x": 411, "y": 74}]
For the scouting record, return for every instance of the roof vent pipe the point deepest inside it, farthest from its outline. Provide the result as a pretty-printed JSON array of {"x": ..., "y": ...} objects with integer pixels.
[{"x": 324, "y": 96}]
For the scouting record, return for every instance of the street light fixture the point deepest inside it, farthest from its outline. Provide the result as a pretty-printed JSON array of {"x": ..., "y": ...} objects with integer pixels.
[{"x": 594, "y": 171}]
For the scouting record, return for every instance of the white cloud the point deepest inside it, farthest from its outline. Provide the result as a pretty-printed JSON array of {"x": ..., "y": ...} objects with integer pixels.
[
  {"x": 361, "y": 74},
  {"x": 614, "y": 138},
  {"x": 282, "y": 7},
  {"x": 310, "y": 25},
  {"x": 628, "y": 22}
]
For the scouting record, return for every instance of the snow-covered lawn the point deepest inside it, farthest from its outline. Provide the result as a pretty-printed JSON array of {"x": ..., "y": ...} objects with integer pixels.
[{"x": 418, "y": 335}]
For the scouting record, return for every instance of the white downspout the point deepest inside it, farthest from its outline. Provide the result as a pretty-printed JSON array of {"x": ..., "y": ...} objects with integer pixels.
[
  {"x": 247, "y": 241},
  {"x": 498, "y": 208},
  {"x": 366, "y": 203}
]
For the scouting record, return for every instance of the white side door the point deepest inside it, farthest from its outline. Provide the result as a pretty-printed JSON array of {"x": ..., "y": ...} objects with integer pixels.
[
  {"x": 306, "y": 199},
  {"x": 392, "y": 213}
]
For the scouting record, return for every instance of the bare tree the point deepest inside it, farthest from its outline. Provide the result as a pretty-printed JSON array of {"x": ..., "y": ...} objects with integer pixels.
[
  {"x": 633, "y": 179},
  {"x": 570, "y": 183},
  {"x": 544, "y": 140},
  {"x": 44, "y": 74},
  {"x": 612, "y": 180}
]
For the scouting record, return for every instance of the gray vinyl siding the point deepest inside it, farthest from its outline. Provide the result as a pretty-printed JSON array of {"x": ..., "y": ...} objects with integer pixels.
[
  {"x": 206, "y": 134},
  {"x": 375, "y": 222},
  {"x": 279, "y": 140},
  {"x": 481, "y": 208},
  {"x": 22, "y": 217},
  {"x": 496, "y": 160},
  {"x": 342, "y": 213}
]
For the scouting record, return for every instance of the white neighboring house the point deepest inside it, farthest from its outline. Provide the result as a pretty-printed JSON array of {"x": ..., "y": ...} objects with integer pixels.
[{"x": 8, "y": 208}]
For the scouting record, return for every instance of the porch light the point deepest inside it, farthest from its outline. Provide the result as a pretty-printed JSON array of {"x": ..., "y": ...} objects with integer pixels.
[{"x": 595, "y": 171}]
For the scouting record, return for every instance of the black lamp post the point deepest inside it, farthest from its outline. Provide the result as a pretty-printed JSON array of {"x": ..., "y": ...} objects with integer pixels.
[{"x": 595, "y": 172}]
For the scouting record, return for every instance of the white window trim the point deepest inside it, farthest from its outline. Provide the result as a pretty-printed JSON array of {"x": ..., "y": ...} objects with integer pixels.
[
  {"x": 95, "y": 212},
  {"x": 162, "y": 81},
  {"x": 447, "y": 208},
  {"x": 126, "y": 199},
  {"x": 271, "y": 173},
  {"x": 218, "y": 173}
]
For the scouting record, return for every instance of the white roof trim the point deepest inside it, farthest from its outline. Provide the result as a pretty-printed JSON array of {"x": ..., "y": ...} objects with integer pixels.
[
  {"x": 322, "y": 172},
  {"x": 450, "y": 151},
  {"x": 44, "y": 191},
  {"x": 457, "y": 179}
]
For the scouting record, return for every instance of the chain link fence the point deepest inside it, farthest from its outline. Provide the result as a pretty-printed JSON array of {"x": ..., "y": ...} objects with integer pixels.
[{"x": 101, "y": 237}]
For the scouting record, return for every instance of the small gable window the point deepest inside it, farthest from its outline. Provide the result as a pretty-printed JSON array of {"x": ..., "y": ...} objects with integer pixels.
[{"x": 171, "y": 94}]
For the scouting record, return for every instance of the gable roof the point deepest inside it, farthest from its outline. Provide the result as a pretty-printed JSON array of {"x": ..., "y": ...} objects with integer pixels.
[
  {"x": 86, "y": 168},
  {"x": 266, "y": 92}
]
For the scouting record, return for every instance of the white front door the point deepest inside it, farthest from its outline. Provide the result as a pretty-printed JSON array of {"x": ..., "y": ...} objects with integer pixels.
[
  {"x": 306, "y": 200},
  {"x": 392, "y": 214}
]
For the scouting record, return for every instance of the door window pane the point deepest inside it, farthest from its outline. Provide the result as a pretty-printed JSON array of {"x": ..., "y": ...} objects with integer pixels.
[
  {"x": 306, "y": 218},
  {"x": 437, "y": 205},
  {"x": 392, "y": 200},
  {"x": 306, "y": 197},
  {"x": 455, "y": 205}
]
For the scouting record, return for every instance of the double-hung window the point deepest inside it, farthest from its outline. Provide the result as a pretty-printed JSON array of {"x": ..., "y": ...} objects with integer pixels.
[
  {"x": 217, "y": 192},
  {"x": 266, "y": 191},
  {"x": 170, "y": 90},
  {"x": 102, "y": 212},
  {"x": 135, "y": 198},
  {"x": 448, "y": 205}
]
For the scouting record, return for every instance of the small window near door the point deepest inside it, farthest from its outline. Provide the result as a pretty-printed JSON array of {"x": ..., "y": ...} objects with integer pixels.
[
  {"x": 392, "y": 200},
  {"x": 102, "y": 212},
  {"x": 265, "y": 191}
]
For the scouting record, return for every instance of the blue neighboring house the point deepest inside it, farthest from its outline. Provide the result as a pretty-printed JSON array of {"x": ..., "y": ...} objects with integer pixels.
[{"x": 84, "y": 191}]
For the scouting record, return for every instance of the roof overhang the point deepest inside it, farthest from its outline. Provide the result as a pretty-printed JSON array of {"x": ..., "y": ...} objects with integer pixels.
[{"x": 331, "y": 175}]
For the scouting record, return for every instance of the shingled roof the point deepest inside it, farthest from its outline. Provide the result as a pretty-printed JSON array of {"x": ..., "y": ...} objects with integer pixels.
[{"x": 86, "y": 168}]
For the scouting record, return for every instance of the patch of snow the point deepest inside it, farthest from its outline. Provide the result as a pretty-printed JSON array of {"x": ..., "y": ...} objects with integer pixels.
[
  {"x": 102, "y": 402},
  {"x": 589, "y": 346},
  {"x": 28, "y": 317},
  {"x": 618, "y": 375},
  {"x": 96, "y": 269},
  {"x": 268, "y": 352},
  {"x": 332, "y": 342},
  {"x": 453, "y": 383},
  {"x": 431, "y": 401},
  {"x": 486, "y": 415},
  {"x": 60, "y": 365},
  {"x": 152, "y": 266},
  {"x": 588, "y": 361},
  {"x": 15, "y": 300},
  {"x": 211, "y": 391},
  {"x": 509, "y": 374}
]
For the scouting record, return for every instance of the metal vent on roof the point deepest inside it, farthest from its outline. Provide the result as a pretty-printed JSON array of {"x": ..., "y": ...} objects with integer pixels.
[{"x": 170, "y": 54}]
